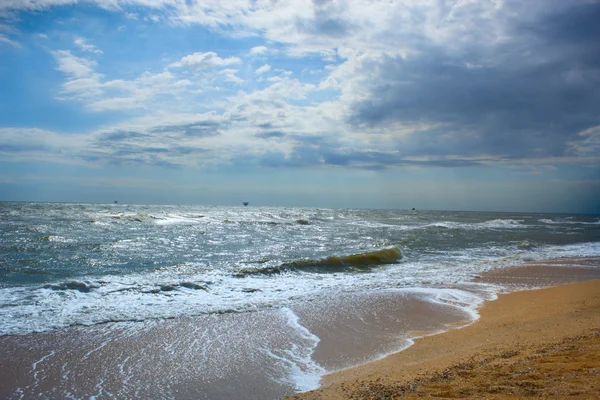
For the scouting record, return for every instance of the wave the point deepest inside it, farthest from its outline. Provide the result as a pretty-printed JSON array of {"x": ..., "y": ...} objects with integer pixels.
[
  {"x": 360, "y": 261},
  {"x": 132, "y": 217},
  {"x": 54, "y": 238},
  {"x": 87, "y": 286},
  {"x": 178, "y": 219},
  {"x": 526, "y": 245},
  {"x": 554, "y": 222},
  {"x": 491, "y": 224},
  {"x": 549, "y": 221},
  {"x": 190, "y": 218},
  {"x": 175, "y": 292},
  {"x": 82, "y": 287}
]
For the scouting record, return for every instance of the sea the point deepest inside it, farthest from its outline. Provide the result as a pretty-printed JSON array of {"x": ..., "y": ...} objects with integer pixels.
[{"x": 180, "y": 301}]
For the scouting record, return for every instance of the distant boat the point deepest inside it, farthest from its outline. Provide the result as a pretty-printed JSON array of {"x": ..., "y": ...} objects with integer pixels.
[
  {"x": 245, "y": 203},
  {"x": 116, "y": 202}
]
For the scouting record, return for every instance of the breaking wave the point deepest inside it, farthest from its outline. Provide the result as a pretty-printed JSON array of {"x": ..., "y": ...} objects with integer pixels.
[
  {"x": 563, "y": 221},
  {"x": 87, "y": 286},
  {"x": 492, "y": 224},
  {"x": 360, "y": 261}
]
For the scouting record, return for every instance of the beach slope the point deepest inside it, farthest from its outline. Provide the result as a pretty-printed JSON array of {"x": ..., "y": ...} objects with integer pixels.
[{"x": 526, "y": 344}]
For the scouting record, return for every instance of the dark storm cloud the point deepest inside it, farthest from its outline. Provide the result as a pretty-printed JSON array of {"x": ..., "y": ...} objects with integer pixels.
[
  {"x": 528, "y": 97},
  {"x": 577, "y": 27},
  {"x": 327, "y": 20}
]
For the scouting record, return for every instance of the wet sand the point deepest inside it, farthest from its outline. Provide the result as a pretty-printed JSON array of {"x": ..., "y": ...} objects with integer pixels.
[
  {"x": 545, "y": 273},
  {"x": 259, "y": 355},
  {"x": 534, "y": 343}
]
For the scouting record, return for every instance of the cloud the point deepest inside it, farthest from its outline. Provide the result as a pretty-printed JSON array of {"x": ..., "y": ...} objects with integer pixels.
[
  {"x": 162, "y": 140},
  {"x": 25, "y": 144},
  {"x": 300, "y": 156},
  {"x": 263, "y": 69},
  {"x": 526, "y": 96},
  {"x": 270, "y": 134},
  {"x": 258, "y": 50},
  {"x": 86, "y": 85},
  {"x": 6, "y": 40},
  {"x": 7, "y": 32},
  {"x": 208, "y": 60},
  {"x": 73, "y": 66},
  {"x": 467, "y": 83},
  {"x": 196, "y": 129},
  {"x": 587, "y": 143},
  {"x": 120, "y": 135},
  {"x": 230, "y": 76},
  {"x": 327, "y": 19},
  {"x": 84, "y": 46}
]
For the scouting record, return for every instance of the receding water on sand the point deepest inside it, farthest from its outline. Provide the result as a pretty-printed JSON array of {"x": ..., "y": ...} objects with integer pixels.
[{"x": 252, "y": 355}]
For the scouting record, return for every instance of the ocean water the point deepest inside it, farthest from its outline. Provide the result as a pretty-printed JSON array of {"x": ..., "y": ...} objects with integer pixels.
[{"x": 273, "y": 278}]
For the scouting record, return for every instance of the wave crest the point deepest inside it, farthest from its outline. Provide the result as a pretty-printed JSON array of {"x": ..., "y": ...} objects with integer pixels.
[{"x": 360, "y": 261}]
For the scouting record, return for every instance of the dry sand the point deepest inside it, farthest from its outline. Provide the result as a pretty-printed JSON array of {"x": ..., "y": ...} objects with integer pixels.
[{"x": 540, "y": 343}]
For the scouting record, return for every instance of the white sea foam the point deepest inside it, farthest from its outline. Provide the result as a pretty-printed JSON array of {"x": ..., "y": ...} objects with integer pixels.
[
  {"x": 301, "y": 370},
  {"x": 191, "y": 289},
  {"x": 60, "y": 239},
  {"x": 463, "y": 300},
  {"x": 491, "y": 224},
  {"x": 565, "y": 221},
  {"x": 178, "y": 219}
]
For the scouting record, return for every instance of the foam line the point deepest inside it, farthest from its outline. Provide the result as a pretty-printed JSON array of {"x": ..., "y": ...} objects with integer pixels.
[{"x": 302, "y": 371}]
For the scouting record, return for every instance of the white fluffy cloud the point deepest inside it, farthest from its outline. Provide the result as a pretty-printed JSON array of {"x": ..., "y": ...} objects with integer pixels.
[
  {"x": 208, "y": 60},
  {"x": 91, "y": 88},
  {"x": 73, "y": 66},
  {"x": 258, "y": 50},
  {"x": 84, "y": 46},
  {"x": 263, "y": 69}
]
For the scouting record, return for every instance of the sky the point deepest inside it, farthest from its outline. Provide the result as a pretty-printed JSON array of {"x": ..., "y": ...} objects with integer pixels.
[{"x": 456, "y": 105}]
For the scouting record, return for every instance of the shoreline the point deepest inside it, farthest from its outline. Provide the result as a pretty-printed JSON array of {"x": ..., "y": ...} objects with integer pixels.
[
  {"x": 527, "y": 319},
  {"x": 186, "y": 357}
]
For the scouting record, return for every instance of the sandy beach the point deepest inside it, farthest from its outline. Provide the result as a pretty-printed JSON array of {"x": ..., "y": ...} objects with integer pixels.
[{"x": 535, "y": 343}]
